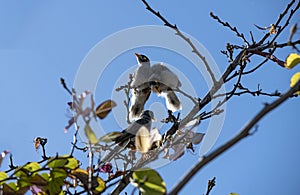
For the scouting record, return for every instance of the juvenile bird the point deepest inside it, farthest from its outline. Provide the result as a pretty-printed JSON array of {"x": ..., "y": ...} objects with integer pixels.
[{"x": 127, "y": 137}]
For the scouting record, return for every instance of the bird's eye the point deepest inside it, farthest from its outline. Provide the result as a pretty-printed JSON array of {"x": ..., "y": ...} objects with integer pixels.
[{"x": 144, "y": 58}]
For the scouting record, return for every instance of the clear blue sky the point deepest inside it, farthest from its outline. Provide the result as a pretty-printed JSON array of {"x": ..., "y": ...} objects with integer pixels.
[{"x": 43, "y": 41}]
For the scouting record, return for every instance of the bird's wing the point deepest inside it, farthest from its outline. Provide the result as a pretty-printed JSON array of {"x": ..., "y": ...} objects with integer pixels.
[
  {"x": 132, "y": 130},
  {"x": 162, "y": 74},
  {"x": 134, "y": 127},
  {"x": 140, "y": 76}
]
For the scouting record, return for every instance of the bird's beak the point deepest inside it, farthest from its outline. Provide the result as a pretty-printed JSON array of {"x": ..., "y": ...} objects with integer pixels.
[
  {"x": 153, "y": 119},
  {"x": 137, "y": 55}
]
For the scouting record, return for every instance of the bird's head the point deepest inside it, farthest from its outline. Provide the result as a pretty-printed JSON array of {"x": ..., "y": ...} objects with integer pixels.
[
  {"x": 142, "y": 59},
  {"x": 148, "y": 114}
]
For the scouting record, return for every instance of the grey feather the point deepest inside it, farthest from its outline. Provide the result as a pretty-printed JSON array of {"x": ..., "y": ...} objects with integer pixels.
[
  {"x": 128, "y": 135},
  {"x": 164, "y": 82},
  {"x": 140, "y": 86}
]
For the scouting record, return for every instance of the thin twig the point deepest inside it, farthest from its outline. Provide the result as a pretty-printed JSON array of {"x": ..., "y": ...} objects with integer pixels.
[
  {"x": 231, "y": 93},
  {"x": 194, "y": 100},
  {"x": 244, "y": 132},
  {"x": 270, "y": 57},
  {"x": 62, "y": 81},
  {"x": 282, "y": 45},
  {"x": 281, "y": 16},
  {"x": 11, "y": 164},
  {"x": 143, "y": 162},
  {"x": 43, "y": 143},
  {"x": 90, "y": 170},
  {"x": 75, "y": 140},
  {"x": 126, "y": 88},
  {"x": 186, "y": 39},
  {"x": 211, "y": 185},
  {"x": 272, "y": 44},
  {"x": 73, "y": 94},
  {"x": 216, "y": 111},
  {"x": 260, "y": 64},
  {"x": 216, "y": 86},
  {"x": 257, "y": 92},
  {"x": 287, "y": 21},
  {"x": 234, "y": 29}
]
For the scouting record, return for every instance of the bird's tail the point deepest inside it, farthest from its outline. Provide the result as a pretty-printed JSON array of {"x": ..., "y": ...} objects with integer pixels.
[
  {"x": 136, "y": 109},
  {"x": 172, "y": 101},
  {"x": 108, "y": 157}
]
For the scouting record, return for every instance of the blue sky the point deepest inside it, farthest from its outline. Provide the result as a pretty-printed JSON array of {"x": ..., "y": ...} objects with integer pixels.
[{"x": 43, "y": 41}]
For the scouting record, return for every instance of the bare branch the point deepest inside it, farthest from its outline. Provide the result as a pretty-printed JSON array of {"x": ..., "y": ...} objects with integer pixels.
[
  {"x": 234, "y": 29},
  {"x": 90, "y": 170},
  {"x": 179, "y": 33},
  {"x": 281, "y": 16},
  {"x": 211, "y": 185},
  {"x": 246, "y": 131},
  {"x": 193, "y": 99},
  {"x": 244, "y": 90},
  {"x": 126, "y": 88},
  {"x": 287, "y": 21},
  {"x": 292, "y": 44},
  {"x": 62, "y": 81},
  {"x": 270, "y": 57}
]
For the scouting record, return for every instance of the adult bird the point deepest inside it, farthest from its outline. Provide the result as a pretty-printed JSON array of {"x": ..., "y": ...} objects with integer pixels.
[
  {"x": 140, "y": 86},
  {"x": 127, "y": 136},
  {"x": 162, "y": 81}
]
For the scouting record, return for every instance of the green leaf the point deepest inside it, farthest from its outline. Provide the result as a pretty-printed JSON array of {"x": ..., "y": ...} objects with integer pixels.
[
  {"x": 292, "y": 60},
  {"x": 148, "y": 181},
  {"x": 90, "y": 134},
  {"x": 110, "y": 137},
  {"x": 55, "y": 186},
  {"x": 3, "y": 176},
  {"x": 58, "y": 173},
  {"x": 97, "y": 183},
  {"x": 13, "y": 188},
  {"x": 38, "y": 180},
  {"x": 45, "y": 176},
  {"x": 61, "y": 193},
  {"x": 104, "y": 108},
  {"x": 101, "y": 185},
  {"x": 295, "y": 78},
  {"x": 57, "y": 163},
  {"x": 10, "y": 188},
  {"x": 56, "y": 181},
  {"x": 72, "y": 163},
  {"x": 24, "y": 181},
  {"x": 80, "y": 173},
  {"x": 32, "y": 166},
  {"x": 21, "y": 173}
]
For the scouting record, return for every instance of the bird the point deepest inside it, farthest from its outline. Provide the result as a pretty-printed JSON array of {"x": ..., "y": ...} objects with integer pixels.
[
  {"x": 157, "y": 78},
  {"x": 164, "y": 82},
  {"x": 129, "y": 133},
  {"x": 127, "y": 136},
  {"x": 140, "y": 86}
]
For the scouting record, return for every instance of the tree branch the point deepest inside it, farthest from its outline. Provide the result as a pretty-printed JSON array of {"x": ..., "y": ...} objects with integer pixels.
[
  {"x": 234, "y": 29},
  {"x": 281, "y": 16},
  {"x": 211, "y": 185},
  {"x": 186, "y": 39},
  {"x": 243, "y": 134}
]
